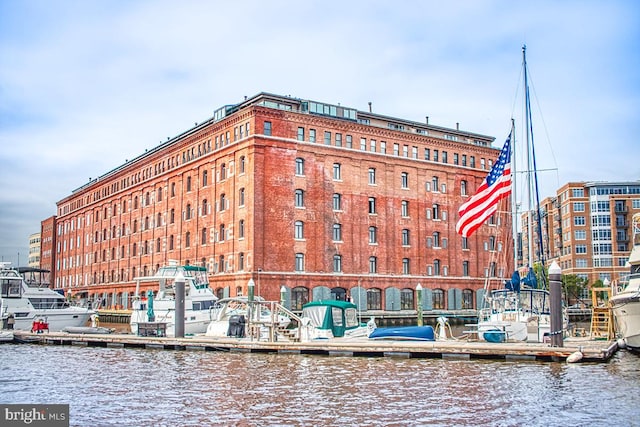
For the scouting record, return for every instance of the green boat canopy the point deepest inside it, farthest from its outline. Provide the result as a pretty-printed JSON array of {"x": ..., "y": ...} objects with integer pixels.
[{"x": 337, "y": 316}]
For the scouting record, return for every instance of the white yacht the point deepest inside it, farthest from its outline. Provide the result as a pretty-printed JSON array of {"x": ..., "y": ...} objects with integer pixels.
[
  {"x": 626, "y": 302},
  {"x": 232, "y": 314},
  {"x": 21, "y": 304},
  {"x": 159, "y": 307}
]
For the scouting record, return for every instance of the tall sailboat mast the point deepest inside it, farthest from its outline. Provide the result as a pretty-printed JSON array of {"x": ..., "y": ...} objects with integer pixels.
[{"x": 532, "y": 175}]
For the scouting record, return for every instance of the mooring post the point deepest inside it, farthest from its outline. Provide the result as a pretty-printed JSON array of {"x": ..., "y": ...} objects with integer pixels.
[
  {"x": 555, "y": 295},
  {"x": 419, "y": 292},
  {"x": 179, "y": 320}
]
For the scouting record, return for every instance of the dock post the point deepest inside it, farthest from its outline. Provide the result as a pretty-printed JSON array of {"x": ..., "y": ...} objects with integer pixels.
[
  {"x": 419, "y": 307},
  {"x": 555, "y": 295},
  {"x": 179, "y": 320}
]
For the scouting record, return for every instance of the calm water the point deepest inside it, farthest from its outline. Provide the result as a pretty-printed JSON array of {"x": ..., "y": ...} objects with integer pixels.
[{"x": 134, "y": 387}]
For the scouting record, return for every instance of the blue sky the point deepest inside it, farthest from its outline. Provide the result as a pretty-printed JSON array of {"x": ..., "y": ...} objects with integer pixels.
[{"x": 86, "y": 85}]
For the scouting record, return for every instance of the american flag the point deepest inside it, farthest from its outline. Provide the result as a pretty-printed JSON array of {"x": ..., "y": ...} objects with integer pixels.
[{"x": 495, "y": 187}]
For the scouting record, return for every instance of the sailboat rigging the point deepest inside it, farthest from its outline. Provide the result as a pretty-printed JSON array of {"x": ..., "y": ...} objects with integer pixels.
[{"x": 518, "y": 309}]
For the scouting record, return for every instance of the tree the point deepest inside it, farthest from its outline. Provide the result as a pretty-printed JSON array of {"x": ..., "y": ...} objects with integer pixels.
[{"x": 573, "y": 287}]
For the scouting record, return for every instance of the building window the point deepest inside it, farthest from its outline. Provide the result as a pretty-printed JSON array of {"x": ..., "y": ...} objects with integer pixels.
[
  {"x": 435, "y": 211},
  {"x": 337, "y": 263},
  {"x": 267, "y": 128},
  {"x": 338, "y": 140},
  {"x": 337, "y": 232},
  {"x": 372, "y": 176},
  {"x": 404, "y": 209},
  {"x": 241, "y": 197},
  {"x": 456, "y": 158},
  {"x": 373, "y": 265},
  {"x": 463, "y": 188},
  {"x": 223, "y": 171},
  {"x": 373, "y": 235},
  {"x": 241, "y": 258},
  {"x": 404, "y": 180},
  {"x": 467, "y": 299},
  {"x": 349, "y": 141},
  {"x": 374, "y": 299},
  {"x": 221, "y": 233},
  {"x": 363, "y": 144},
  {"x": 444, "y": 157},
  {"x": 465, "y": 268},
  {"x": 203, "y": 236},
  {"x": 205, "y": 207},
  {"x": 171, "y": 242},
  {"x": 406, "y": 299},
  {"x": 299, "y": 297},
  {"x": 327, "y": 137},
  {"x": 406, "y": 266},
  {"x": 337, "y": 172},
  {"x": 205, "y": 177},
  {"x": 436, "y": 239},
  {"x": 300, "y": 166},
  {"x": 298, "y": 232},
  {"x": 299, "y": 262},
  {"x": 372, "y": 205},
  {"x": 242, "y": 164},
  {"x": 299, "y": 198},
  {"x": 223, "y": 202},
  {"x": 241, "y": 229},
  {"x": 187, "y": 239},
  {"x": 337, "y": 202},
  {"x": 438, "y": 299},
  {"x": 405, "y": 237},
  {"x": 434, "y": 184},
  {"x": 300, "y": 134},
  {"x": 172, "y": 216},
  {"x": 312, "y": 135}
]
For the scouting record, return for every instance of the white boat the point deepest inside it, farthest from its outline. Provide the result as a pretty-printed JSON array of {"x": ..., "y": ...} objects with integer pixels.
[
  {"x": 159, "y": 307},
  {"x": 514, "y": 310},
  {"x": 6, "y": 336},
  {"x": 21, "y": 305},
  {"x": 625, "y": 303},
  {"x": 232, "y": 315}
]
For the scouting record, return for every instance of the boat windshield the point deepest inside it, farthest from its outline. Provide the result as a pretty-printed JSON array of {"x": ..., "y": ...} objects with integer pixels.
[
  {"x": 534, "y": 301},
  {"x": 11, "y": 288},
  {"x": 48, "y": 303}
]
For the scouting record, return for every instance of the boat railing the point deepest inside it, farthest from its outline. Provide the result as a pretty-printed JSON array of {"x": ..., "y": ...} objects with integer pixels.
[{"x": 273, "y": 324}]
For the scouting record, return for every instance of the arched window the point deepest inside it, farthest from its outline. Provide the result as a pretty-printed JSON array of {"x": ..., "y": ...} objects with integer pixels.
[{"x": 438, "y": 299}]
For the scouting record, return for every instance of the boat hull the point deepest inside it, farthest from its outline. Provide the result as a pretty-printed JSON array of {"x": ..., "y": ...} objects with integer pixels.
[
  {"x": 404, "y": 333},
  {"x": 57, "y": 319},
  {"x": 626, "y": 311}
]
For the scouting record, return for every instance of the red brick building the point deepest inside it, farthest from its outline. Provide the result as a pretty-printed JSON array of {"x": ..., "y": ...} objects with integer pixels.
[{"x": 310, "y": 199}]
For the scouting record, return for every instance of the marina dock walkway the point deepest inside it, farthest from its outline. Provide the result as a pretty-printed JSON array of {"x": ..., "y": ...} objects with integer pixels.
[{"x": 592, "y": 350}]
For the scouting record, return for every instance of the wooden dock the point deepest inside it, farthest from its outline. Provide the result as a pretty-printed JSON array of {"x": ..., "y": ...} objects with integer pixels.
[{"x": 592, "y": 350}]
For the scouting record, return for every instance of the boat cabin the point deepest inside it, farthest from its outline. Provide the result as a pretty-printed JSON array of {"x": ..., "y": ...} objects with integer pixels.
[{"x": 332, "y": 316}]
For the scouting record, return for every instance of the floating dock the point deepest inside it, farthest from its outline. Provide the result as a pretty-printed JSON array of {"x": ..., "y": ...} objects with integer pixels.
[{"x": 592, "y": 350}]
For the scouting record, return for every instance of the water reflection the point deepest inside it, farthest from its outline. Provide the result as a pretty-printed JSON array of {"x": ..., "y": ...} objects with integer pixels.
[{"x": 190, "y": 388}]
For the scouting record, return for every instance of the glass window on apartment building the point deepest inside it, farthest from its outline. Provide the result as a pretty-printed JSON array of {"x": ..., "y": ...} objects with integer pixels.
[
  {"x": 372, "y": 145},
  {"x": 406, "y": 266},
  {"x": 444, "y": 157},
  {"x": 427, "y": 154},
  {"x": 267, "y": 128},
  {"x": 396, "y": 149},
  {"x": 312, "y": 135},
  {"x": 363, "y": 144},
  {"x": 327, "y": 138},
  {"x": 472, "y": 161},
  {"x": 405, "y": 151},
  {"x": 372, "y": 176},
  {"x": 242, "y": 164},
  {"x": 299, "y": 198},
  {"x": 337, "y": 202},
  {"x": 404, "y": 209},
  {"x": 404, "y": 180},
  {"x": 463, "y": 188},
  {"x": 464, "y": 160},
  {"x": 337, "y": 232},
  {"x": 372, "y": 205},
  {"x": 299, "y": 262},
  {"x": 374, "y": 299},
  {"x": 405, "y": 237},
  {"x": 300, "y": 134},
  {"x": 337, "y": 171},
  {"x": 241, "y": 229},
  {"x": 373, "y": 265},
  {"x": 373, "y": 235},
  {"x": 337, "y": 263},
  {"x": 298, "y": 232},
  {"x": 300, "y": 166},
  {"x": 338, "y": 140},
  {"x": 349, "y": 141},
  {"x": 383, "y": 147},
  {"x": 436, "y": 155}
]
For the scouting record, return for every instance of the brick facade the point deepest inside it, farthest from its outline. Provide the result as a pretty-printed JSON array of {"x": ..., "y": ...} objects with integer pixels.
[{"x": 228, "y": 194}]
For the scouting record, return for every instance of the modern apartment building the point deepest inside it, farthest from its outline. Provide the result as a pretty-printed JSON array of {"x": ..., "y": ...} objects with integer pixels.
[
  {"x": 34, "y": 250},
  {"x": 587, "y": 229},
  {"x": 318, "y": 200}
]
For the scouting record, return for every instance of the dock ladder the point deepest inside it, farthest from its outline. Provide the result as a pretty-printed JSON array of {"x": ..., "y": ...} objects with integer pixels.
[{"x": 601, "y": 316}]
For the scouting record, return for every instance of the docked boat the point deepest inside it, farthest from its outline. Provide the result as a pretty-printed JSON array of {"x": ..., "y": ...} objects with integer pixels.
[
  {"x": 404, "y": 333},
  {"x": 232, "y": 315},
  {"x": 22, "y": 305},
  {"x": 159, "y": 307},
  {"x": 625, "y": 303},
  {"x": 6, "y": 336},
  {"x": 332, "y": 319}
]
